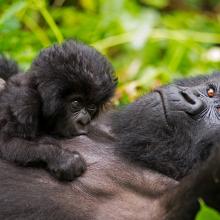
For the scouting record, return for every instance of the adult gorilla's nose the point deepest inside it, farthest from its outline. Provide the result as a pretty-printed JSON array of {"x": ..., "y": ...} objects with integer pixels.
[
  {"x": 189, "y": 102},
  {"x": 181, "y": 99}
]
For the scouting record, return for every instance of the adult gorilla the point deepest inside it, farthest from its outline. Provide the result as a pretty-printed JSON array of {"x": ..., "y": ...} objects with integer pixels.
[{"x": 135, "y": 159}]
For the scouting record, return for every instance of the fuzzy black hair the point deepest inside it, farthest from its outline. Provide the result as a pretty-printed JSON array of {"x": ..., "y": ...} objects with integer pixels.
[
  {"x": 8, "y": 67},
  {"x": 72, "y": 68}
]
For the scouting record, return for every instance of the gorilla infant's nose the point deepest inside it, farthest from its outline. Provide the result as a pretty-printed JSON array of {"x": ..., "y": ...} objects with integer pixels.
[
  {"x": 190, "y": 102},
  {"x": 83, "y": 119},
  {"x": 81, "y": 124}
]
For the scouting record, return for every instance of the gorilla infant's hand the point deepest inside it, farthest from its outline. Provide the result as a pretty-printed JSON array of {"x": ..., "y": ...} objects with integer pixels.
[{"x": 67, "y": 165}]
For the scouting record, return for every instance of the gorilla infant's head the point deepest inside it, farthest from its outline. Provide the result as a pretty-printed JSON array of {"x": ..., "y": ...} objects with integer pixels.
[
  {"x": 74, "y": 82},
  {"x": 172, "y": 128}
]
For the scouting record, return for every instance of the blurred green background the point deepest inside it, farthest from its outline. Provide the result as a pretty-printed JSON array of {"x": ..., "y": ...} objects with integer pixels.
[{"x": 149, "y": 42}]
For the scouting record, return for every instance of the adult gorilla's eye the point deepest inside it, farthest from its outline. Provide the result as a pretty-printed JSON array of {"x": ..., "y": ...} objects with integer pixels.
[{"x": 211, "y": 92}]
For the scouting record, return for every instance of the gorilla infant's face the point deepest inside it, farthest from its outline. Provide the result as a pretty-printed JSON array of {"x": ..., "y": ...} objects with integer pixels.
[{"x": 76, "y": 115}]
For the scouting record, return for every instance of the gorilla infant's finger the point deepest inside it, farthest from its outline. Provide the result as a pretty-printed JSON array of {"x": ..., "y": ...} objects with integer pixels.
[{"x": 67, "y": 166}]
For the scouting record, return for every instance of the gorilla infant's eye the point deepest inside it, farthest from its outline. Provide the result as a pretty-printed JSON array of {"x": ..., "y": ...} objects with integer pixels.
[
  {"x": 92, "y": 107},
  {"x": 76, "y": 104},
  {"x": 210, "y": 92}
]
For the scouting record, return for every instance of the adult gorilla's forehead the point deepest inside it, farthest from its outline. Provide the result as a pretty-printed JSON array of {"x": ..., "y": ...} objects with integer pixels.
[{"x": 195, "y": 81}]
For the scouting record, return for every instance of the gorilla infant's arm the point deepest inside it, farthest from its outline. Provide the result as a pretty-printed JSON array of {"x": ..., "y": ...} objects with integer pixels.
[{"x": 64, "y": 89}]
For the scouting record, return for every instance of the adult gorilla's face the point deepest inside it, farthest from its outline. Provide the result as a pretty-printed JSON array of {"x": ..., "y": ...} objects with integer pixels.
[
  {"x": 174, "y": 127},
  {"x": 196, "y": 106}
]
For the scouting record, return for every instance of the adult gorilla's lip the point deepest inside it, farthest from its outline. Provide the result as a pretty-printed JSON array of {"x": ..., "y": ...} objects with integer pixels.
[{"x": 163, "y": 106}]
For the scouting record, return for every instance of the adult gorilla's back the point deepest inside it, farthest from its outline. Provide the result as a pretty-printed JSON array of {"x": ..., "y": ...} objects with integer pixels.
[{"x": 110, "y": 189}]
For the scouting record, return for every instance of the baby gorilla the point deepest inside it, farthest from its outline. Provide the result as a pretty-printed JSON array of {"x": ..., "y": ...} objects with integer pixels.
[{"x": 65, "y": 88}]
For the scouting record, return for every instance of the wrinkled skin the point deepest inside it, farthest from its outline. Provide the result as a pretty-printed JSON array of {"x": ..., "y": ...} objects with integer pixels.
[{"x": 133, "y": 158}]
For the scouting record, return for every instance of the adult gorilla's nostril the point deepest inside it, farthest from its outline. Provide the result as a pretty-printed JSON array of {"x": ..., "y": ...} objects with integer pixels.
[
  {"x": 191, "y": 103},
  {"x": 187, "y": 97}
]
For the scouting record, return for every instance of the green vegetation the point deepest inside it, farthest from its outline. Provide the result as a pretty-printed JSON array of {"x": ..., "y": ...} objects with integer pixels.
[
  {"x": 207, "y": 213},
  {"x": 149, "y": 42}
]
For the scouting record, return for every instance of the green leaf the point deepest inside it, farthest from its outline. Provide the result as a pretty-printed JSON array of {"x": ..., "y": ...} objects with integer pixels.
[{"x": 207, "y": 213}]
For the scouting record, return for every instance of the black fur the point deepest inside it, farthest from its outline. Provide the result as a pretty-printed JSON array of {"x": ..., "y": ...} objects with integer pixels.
[
  {"x": 170, "y": 131},
  {"x": 164, "y": 132},
  {"x": 8, "y": 68},
  {"x": 72, "y": 68},
  {"x": 112, "y": 188},
  {"x": 66, "y": 86}
]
